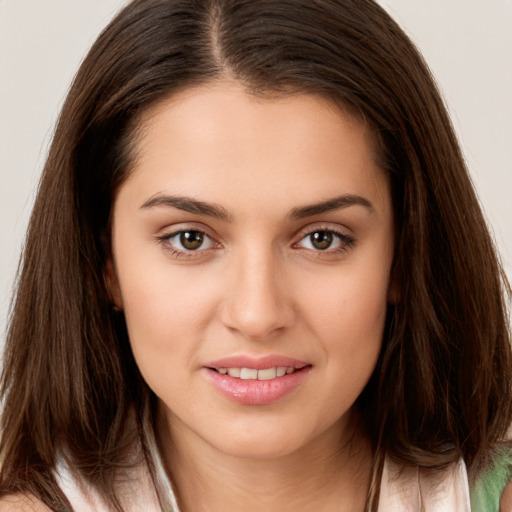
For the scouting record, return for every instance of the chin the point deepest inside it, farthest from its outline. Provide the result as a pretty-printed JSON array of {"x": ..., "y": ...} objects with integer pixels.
[
  {"x": 267, "y": 440},
  {"x": 260, "y": 449}
]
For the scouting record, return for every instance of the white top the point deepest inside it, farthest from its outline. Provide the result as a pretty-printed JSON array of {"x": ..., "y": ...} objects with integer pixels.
[
  {"x": 138, "y": 492},
  {"x": 402, "y": 490},
  {"x": 415, "y": 490}
]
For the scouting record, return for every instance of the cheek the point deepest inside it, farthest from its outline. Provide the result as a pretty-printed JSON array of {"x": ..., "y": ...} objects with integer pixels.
[
  {"x": 348, "y": 318},
  {"x": 350, "y": 306},
  {"x": 165, "y": 309}
]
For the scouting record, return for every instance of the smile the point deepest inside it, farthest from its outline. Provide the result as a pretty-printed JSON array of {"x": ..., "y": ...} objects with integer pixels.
[
  {"x": 263, "y": 381},
  {"x": 254, "y": 374}
]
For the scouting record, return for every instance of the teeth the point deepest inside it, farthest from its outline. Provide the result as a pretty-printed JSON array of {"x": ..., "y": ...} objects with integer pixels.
[
  {"x": 268, "y": 374},
  {"x": 281, "y": 371},
  {"x": 253, "y": 374},
  {"x": 234, "y": 372},
  {"x": 248, "y": 374}
]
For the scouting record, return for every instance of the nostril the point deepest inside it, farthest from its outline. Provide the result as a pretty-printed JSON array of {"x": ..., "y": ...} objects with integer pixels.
[{"x": 258, "y": 304}]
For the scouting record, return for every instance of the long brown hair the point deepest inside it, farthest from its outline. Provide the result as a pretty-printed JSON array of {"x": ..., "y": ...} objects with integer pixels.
[{"x": 442, "y": 386}]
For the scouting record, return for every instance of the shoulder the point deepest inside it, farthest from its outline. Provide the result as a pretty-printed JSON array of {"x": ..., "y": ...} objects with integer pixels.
[
  {"x": 506, "y": 499},
  {"x": 493, "y": 488},
  {"x": 22, "y": 503}
]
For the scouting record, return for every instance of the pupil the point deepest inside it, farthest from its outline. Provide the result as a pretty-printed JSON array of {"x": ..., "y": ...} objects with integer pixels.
[
  {"x": 321, "y": 240},
  {"x": 191, "y": 240}
]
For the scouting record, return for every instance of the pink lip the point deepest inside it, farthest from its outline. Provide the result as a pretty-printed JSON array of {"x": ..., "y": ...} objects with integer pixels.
[{"x": 256, "y": 392}]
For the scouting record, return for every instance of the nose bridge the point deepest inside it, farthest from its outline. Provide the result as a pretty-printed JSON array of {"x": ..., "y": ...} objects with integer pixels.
[{"x": 258, "y": 303}]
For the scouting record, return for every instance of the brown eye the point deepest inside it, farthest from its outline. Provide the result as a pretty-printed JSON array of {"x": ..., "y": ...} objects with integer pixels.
[
  {"x": 321, "y": 240},
  {"x": 327, "y": 241},
  {"x": 188, "y": 243},
  {"x": 191, "y": 240}
]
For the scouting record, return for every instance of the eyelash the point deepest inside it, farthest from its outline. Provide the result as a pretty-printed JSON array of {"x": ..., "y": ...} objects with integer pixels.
[
  {"x": 345, "y": 242},
  {"x": 184, "y": 254}
]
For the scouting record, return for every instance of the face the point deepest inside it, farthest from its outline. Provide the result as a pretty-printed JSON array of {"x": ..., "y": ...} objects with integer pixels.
[{"x": 252, "y": 246}]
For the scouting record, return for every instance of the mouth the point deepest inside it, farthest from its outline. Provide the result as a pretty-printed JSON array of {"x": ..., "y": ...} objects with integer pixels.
[
  {"x": 264, "y": 381},
  {"x": 255, "y": 374}
]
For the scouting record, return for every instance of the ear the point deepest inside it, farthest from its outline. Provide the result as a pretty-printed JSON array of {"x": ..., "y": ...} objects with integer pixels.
[{"x": 112, "y": 285}]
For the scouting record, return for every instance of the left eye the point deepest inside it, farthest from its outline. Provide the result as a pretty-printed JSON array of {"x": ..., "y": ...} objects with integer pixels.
[
  {"x": 190, "y": 240},
  {"x": 323, "y": 240}
]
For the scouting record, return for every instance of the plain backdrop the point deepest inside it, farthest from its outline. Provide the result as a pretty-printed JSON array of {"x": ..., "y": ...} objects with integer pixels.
[{"x": 467, "y": 43}]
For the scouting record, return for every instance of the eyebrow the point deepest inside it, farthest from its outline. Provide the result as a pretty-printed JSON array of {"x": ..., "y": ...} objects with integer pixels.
[
  {"x": 190, "y": 205},
  {"x": 187, "y": 204},
  {"x": 329, "y": 205}
]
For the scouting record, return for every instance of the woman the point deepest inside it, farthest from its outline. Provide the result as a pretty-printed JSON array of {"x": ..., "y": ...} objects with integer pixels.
[{"x": 256, "y": 276}]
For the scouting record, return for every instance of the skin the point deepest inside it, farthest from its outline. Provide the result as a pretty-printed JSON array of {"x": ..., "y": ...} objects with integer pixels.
[
  {"x": 506, "y": 499},
  {"x": 22, "y": 503},
  {"x": 257, "y": 286}
]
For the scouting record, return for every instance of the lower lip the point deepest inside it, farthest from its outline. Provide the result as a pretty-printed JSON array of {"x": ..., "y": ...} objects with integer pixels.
[{"x": 257, "y": 392}]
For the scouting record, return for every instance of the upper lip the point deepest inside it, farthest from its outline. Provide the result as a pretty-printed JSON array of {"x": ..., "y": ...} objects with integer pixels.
[{"x": 257, "y": 363}]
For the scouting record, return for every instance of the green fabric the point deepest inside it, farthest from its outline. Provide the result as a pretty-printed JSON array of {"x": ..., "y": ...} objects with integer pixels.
[{"x": 486, "y": 494}]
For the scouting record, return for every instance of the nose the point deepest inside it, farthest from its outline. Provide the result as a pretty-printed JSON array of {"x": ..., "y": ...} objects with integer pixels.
[{"x": 257, "y": 301}]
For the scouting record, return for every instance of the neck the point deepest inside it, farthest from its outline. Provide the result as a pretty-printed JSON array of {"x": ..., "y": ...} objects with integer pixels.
[{"x": 332, "y": 472}]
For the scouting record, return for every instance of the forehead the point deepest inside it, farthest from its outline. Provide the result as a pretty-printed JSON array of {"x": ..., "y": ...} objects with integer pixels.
[{"x": 220, "y": 142}]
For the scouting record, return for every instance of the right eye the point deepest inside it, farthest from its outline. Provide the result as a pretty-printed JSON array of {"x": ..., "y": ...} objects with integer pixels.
[
  {"x": 183, "y": 244},
  {"x": 188, "y": 240}
]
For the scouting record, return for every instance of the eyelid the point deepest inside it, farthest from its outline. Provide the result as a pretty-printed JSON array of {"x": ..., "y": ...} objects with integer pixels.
[
  {"x": 323, "y": 226},
  {"x": 174, "y": 229},
  {"x": 167, "y": 234},
  {"x": 344, "y": 234}
]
